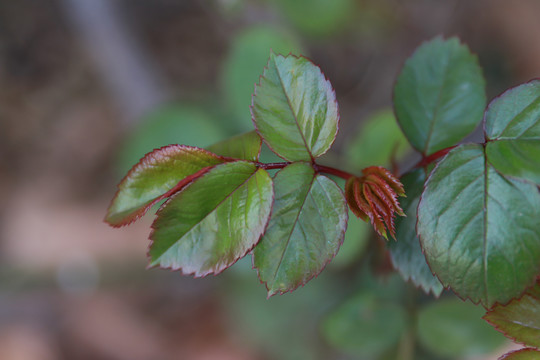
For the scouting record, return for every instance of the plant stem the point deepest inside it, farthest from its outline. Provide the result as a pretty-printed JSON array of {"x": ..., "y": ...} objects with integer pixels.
[
  {"x": 318, "y": 168},
  {"x": 426, "y": 160}
]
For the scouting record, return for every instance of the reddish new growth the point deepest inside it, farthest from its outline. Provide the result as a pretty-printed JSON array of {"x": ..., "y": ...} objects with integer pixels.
[{"x": 374, "y": 196}]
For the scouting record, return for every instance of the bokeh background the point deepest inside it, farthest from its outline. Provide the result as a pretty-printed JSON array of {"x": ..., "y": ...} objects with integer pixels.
[{"x": 89, "y": 86}]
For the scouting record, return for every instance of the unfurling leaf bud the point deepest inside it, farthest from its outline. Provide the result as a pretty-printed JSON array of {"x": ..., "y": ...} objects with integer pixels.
[{"x": 374, "y": 196}]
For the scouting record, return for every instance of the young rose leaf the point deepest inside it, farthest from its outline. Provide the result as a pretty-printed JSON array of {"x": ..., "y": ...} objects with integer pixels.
[
  {"x": 512, "y": 129},
  {"x": 519, "y": 320},
  {"x": 405, "y": 252},
  {"x": 214, "y": 221},
  {"x": 523, "y": 354},
  {"x": 364, "y": 326},
  {"x": 305, "y": 231},
  {"x": 246, "y": 146},
  {"x": 374, "y": 197},
  {"x": 478, "y": 229},
  {"x": 157, "y": 176},
  {"x": 454, "y": 329},
  {"x": 439, "y": 96},
  {"x": 294, "y": 108}
]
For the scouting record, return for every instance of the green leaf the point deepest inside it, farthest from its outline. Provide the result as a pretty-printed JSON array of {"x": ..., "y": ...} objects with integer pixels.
[
  {"x": 523, "y": 354},
  {"x": 439, "y": 96},
  {"x": 405, "y": 252},
  {"x": 479, "y": 229},
  {"x": 453, "y": 328},
  {"x": 157, "y": 176},
  {"x": 214, "y": 221},
  {"x": 294, "y": 108},
  {"x": 242, "y": 66},
  {"x": 376, "y": 142},
  {"x": 246, "y": 146},
  {"x": 512, "y": 127},
  {"x": 365, "y": 326},
  {"x": 519, "y": 320},
  {"x": 318, "y": 17},
  {"x": 305, "y": 231}
]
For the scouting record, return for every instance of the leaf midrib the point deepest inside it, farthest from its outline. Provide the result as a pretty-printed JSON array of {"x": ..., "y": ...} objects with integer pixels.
[
  {"x": 292, "y": 110},
  {"x": 292, "y": 229},
  {"x": 437, "y": 106},
  {"x": 208, "y": 214}
]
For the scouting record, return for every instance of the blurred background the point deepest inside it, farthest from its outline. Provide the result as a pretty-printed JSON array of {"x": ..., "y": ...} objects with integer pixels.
[{"x": 87, "y": 87}]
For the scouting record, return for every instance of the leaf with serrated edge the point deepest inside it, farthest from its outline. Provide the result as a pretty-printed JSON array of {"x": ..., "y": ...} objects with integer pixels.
[
  {"x": 214, "y": 221},
  {"x": 294, "y": 108},
  {"x": 405, "y": 252},
  {"x": 439, "y": 96},
  {"x": 305, "y": 231},
  {"x": 245, "y": 146},
  {"x": 479, "y": 229},
  {"x": 512, "y": 129},
  {"x": 523, "y": 354},
  {"x": 158, "y": 175},
  {"x": 519, "y": 320}
]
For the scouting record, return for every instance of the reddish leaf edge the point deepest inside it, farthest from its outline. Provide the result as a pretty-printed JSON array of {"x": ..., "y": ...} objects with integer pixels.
[
  {"x": 508, "y": 356},
  {"x": 214, "y": 273},
  {"x": 517, "y": 300},
  {"x": 448, "y": 287},
  {"x": 265, "y": 68},
  {"x": 131, "y": 218},
  {"x": 315, "y": 274},
  {"x": 496, "y": 98}
]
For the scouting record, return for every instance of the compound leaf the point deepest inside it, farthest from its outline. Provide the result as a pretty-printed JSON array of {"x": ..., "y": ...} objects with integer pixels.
[
  {"x": 214, "y": 221},
  {"x": 439, "y": 96},
  {"x": 479, "y": 229},
  {"x": 512, "y": 128},
  {"x": 305, "y": 231},
  {"x": 294, "y": 108},
  {"x": 157, "y": 176},
  {"x": 245, "y": 146},
  {"x": 405, "y": 252},
  {"x": 519, "y": 320}
]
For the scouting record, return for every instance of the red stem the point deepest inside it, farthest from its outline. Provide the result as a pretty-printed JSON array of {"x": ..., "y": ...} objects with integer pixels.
[
  {"x": 431, "y": 158},
  {"x": 318, "y": 168}
]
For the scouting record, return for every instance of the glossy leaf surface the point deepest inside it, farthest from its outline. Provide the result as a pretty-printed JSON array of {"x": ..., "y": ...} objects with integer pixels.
[
  {"x": 512, "y": 126},
  {"x": 214, "y": 221},
  {"x": 519, "y": 320},
  {"x": 439, "y": 96},
  {"x": 479, "y": 229},
  {"x": 365, "y": 326},
  {"x": 294, "y": 108},
  {"x": 246, "y": 146},
  {"x": 453, "y": 328},
  {"x": 159, "y": 173},
  {"x": 405, "y": 252},
  {"x": 523, "y": 354},
  {"x": 305, "y": 231}
]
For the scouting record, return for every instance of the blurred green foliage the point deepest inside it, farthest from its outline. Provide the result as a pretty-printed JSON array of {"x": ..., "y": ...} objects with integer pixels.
[
  {"x": 452, "y": 328},
  {"x": 170, "y": 124},
  {"x": 248, "y": 53},
  {"x": 378, "y": 139}
]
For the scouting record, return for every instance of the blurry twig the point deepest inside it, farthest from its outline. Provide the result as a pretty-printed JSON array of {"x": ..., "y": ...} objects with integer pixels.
[{"x": 124, "y": 67}]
